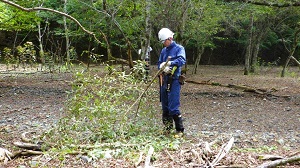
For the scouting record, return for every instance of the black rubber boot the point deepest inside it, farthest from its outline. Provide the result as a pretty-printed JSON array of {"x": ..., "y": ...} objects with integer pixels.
[
  {"x": 178, "y": 123},
  {"x": 167, "y": 121}
]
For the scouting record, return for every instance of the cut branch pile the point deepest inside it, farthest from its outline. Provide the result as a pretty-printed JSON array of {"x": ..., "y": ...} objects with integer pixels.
[
  {"x": 199, "y": 155},
  {"x": 28, "y": 149}
]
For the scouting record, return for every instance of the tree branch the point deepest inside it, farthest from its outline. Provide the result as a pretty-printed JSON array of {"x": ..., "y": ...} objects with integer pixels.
[
  {"x": 47, "y": 9},
  {"x": 71, "y": 18},
  {"x": 265, "y": 3}
]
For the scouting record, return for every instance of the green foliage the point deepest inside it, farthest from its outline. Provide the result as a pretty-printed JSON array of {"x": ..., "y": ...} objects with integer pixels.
[
  {"x": 138, "y": 70},
  {"x": 26, "y": 54},
  {"x": 103, "y": 101},
  {"x": 204, "y": 22},
  {"x": 92, "y": 56},
  {"x": 13, "y": 19},
  {"x": 98, "y": 113},
  {"x": 8, "y": 57}
]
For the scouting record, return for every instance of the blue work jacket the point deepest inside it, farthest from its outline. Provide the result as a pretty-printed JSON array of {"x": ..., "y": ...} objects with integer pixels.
[{"x": 178, "y": 57}]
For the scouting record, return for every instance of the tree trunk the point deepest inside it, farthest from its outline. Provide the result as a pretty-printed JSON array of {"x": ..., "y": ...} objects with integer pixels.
[
  {"x": 247, "y": 59},
  {"x": 67, "y": 35},
  {"x": 291, "y": 53},
  {"x": 248, "y": 53},
  {"x": 107, "y": 38},
  {"x": 41, "y": 47},
  {"x": 259, "y": 35},
  {"x": 255, "y": 50},
  {"x": 41, "y": 52},
  {"x": 183, "y": 19},
  {"x": 200, "y": 51},
  {"x": 145, "y": 44}
]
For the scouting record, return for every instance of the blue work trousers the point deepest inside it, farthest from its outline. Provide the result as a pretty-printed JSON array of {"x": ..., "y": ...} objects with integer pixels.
[{"x": 170, "y": 100}]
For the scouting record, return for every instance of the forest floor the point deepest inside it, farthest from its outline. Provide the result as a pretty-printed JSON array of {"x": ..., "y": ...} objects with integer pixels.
[{"x": 262, "y": 122}]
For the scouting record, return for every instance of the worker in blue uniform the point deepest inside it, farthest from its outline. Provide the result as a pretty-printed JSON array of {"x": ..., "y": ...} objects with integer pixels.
[{"x": 172, "y": 58}]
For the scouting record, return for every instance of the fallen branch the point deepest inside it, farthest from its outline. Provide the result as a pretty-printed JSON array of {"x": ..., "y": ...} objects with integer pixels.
[
  {"x": 26, "y": 153},
  {"x": 102, "y": 145},
  {"x": 222, "y": 153},
  {"x": 280, "y": 162},
  {"x": 6, "y": 155},
  {"x": 29, "y": 146},
  {"x": 269, "y": 157}
]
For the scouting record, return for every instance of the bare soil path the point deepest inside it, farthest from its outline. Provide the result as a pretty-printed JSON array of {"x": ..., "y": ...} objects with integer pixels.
[{"x": 260, "y": 123}]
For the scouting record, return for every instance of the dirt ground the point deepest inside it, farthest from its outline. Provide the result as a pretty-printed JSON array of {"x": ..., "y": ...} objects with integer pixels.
[{"x": 262, "y": 122}]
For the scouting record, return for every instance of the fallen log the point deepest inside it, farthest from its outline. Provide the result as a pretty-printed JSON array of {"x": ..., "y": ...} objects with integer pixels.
[
  {"x": 281, "y": 162},
  {"x": 239, "y": 87}
]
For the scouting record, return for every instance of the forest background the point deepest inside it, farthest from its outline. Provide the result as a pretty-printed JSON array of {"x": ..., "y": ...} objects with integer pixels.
[{"x": 218, "y": 32}]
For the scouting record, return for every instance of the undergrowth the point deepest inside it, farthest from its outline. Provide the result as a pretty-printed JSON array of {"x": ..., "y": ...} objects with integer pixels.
[{"x": 102, "y": 123}]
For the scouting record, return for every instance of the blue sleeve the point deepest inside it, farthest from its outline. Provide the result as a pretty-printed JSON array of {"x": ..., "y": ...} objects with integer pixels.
[{"x": 180, "y": 57}]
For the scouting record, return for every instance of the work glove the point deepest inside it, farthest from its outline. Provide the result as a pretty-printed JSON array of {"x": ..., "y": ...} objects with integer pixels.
[
  {"x": 168, "y": 70},
  {"x": 163, "y": 63}
]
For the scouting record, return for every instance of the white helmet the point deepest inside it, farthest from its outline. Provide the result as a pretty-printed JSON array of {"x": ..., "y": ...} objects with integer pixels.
[{"x": 164, "y": 34}]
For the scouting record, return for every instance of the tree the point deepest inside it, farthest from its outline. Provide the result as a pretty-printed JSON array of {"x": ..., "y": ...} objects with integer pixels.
[
  {"x": 259, "y": 25},
  {"x": 147, "y": 33},
  {"x": 292, "y": 51},
  {"x": 263, "y": 20},
  {"x": 204, "y": 22}
]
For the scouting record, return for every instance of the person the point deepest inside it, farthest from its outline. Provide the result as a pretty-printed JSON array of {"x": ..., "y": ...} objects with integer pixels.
[{"x": 172, "y": 58}]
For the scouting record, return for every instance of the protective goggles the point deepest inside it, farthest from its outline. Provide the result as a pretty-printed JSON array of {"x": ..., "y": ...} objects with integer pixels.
[{"x": 163, "y": 41}]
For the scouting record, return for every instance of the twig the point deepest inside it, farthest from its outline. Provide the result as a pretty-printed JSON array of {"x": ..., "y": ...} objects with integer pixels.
[
  {"x": 196, "y": 154},
  {"x": 23, "y": 137},
  {"x": 148, "y": 158},
  {"x": 208, "y": 163},
  {"x": 171, "y": 157},
  {"x": 140, "y": 159}
]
